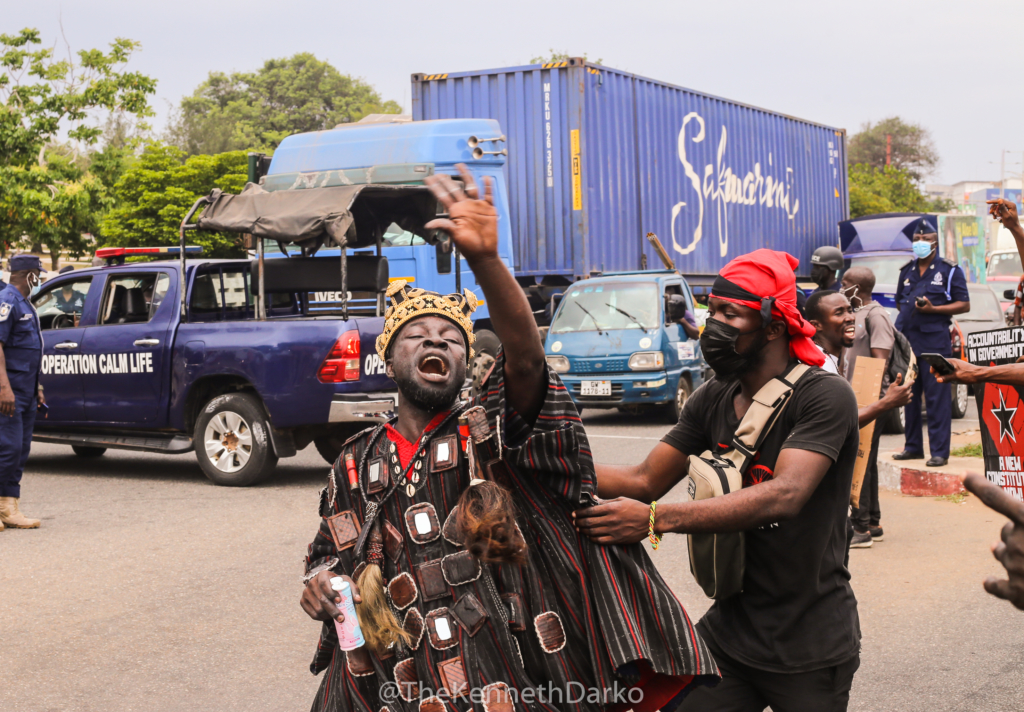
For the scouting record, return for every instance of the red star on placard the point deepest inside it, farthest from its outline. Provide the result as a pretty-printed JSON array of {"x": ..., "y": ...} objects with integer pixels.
[{"x": 1002, "y": 414}]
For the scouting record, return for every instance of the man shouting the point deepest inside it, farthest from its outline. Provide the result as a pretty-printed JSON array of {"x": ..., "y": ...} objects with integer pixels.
[
  {"x": 453, "y": 524},
  {"x": 790, "y": 639}
]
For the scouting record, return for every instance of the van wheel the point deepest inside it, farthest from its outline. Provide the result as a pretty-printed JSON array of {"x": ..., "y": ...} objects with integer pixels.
[
  {"x": 674, "y": 409},
  {"x": 86, "y": 451},
  {"x": 961, "y": 398},
  {"x": 232, "y": 441}
]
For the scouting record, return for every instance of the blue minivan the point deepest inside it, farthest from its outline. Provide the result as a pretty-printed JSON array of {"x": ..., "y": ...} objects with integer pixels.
[{"x": 617, "y": 342}]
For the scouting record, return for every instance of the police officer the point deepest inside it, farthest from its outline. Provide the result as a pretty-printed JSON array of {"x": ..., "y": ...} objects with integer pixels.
[
  {"x": 69, "y": 301},
  {"x": 930, "y": 291},
  {"x": 21, "y": 350},
  {"x": 826, "y": 261}
]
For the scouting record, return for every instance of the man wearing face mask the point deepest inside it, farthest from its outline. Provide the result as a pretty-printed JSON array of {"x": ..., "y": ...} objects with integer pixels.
[
  {"x": 930, "y": 291},
  {"x": 791, "y": 638},
  {"x": 21, "y": 350}
]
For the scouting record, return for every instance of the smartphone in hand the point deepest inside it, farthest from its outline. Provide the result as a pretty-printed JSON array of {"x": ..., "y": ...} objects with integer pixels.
[{"x": 939, "y": 363}]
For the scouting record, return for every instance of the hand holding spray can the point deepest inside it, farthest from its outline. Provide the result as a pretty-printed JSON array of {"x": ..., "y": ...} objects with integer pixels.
[{"x": 350, "y": 635}]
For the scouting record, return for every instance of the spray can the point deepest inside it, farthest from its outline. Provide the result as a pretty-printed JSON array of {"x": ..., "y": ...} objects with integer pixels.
[{"x": 350, "y": 635}]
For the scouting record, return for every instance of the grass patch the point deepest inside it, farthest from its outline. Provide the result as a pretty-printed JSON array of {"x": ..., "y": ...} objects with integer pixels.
[
  {"x": 972, "y": 450},
  {"x": 956, "y": 498}
]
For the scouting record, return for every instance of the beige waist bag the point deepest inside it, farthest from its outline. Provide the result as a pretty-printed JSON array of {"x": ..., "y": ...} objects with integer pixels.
[{"x": 716, "y": 560}]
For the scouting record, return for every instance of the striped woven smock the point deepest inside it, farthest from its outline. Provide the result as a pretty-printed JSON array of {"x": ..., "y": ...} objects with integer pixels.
[{"x": 601, "y": 618}]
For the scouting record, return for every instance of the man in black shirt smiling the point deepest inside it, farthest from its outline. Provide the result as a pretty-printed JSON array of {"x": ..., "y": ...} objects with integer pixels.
[{"x": 791, "y": 638}]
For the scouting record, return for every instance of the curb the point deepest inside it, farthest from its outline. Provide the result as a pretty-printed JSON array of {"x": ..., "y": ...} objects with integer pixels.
[{"x": 918, "y": 481}]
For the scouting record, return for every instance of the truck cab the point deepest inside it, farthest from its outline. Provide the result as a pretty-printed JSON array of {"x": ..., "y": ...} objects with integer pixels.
[{"x": 617, "y": 342}]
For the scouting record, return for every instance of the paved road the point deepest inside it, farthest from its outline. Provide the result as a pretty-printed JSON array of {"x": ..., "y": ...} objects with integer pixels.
[{"x": 150, "y": 589}]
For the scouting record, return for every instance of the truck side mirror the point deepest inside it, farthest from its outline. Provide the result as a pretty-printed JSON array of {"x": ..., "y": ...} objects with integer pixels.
[
  {"x": 1008, "y": 294},
  {"x": 443, "y": 250}
]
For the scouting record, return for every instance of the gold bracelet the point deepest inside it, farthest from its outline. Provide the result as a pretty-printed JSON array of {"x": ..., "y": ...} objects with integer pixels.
[{"x": 655, "y": 539}]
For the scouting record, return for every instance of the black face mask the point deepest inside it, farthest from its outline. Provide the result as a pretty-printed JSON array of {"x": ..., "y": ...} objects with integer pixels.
[{"x": 718, "y": 344}]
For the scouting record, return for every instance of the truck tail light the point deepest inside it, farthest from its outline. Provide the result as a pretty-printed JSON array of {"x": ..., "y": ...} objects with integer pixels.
[{"x": 342, "y": 363}]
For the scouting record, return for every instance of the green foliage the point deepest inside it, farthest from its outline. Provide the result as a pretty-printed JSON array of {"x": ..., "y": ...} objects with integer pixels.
[
  {"x": 39, "y": 94},
  {"x": 256, "y": 110},
  {"x": 887, "y": 190},
  {"x": 912, "y": 147},
  {"x": 48, "y": 197},
  {"x": 554, "y": 56},
  {"x": 969, "y": 450},
  {"x": 155, "y": 192}
]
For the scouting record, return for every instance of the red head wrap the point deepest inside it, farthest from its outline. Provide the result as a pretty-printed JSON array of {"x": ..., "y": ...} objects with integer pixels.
[{"x": 768, "y": 275}]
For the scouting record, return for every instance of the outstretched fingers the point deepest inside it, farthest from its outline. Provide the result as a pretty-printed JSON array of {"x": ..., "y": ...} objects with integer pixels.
[{"x": 995, "y": 497}]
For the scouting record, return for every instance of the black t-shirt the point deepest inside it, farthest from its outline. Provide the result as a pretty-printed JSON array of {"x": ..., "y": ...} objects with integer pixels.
[{"x": 797, "y": 611}]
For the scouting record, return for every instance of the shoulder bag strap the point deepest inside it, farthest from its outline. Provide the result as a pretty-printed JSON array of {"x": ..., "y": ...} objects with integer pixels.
[{"x": 769, "y": 402}]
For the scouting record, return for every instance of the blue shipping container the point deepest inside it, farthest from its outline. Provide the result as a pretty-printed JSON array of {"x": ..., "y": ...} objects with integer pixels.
[{"x": 598, "y": 158}]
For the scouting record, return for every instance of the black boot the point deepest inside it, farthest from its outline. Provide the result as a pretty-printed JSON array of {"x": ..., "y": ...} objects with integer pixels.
[{"x": 908, "y": 455}]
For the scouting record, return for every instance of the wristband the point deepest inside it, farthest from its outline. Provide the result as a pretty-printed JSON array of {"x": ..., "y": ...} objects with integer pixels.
[{"x": 655, "y": 539}]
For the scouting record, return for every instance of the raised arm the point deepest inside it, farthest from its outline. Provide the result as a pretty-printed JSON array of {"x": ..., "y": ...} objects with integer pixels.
[{"x": 473, "y": 226}]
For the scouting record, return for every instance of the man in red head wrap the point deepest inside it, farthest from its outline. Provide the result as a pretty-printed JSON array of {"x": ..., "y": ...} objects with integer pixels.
[{"x": 791, "y": 637}]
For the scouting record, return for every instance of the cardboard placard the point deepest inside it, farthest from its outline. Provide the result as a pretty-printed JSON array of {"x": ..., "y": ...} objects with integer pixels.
[{"x": 867, "y": 384}]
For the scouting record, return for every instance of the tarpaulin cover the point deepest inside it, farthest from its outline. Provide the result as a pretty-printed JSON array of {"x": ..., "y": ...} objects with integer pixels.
[
  {"x": 878, "y": 234},
  {"x": 353, "y": 215}
]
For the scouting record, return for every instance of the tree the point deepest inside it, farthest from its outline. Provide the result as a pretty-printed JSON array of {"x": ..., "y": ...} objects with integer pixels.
[
  {"x": 158, "y": 188},
  {"x": 888, "y": 190},
  {"x": 911, "y": 149},
  {"x": 554, "y": 56},
  {"x": 46, "y": 195},
  {"x": 256, "y": 110}
]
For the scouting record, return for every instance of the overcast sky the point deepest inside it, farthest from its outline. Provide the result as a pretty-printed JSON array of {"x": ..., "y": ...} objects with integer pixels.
[{"x": 953, "y": 66}]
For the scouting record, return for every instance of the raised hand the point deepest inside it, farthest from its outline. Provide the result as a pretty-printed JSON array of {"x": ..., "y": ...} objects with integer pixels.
[
  {"x": 1005, "y": 211},
  {"x": 472, "y": 221},
  {"x": 1009, "y": 551}
]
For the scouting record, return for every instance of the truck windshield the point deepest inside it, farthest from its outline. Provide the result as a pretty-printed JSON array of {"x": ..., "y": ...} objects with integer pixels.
[
  {"x": 886, "y": 268},
  {"x": 1004, "y": 264},
  {"x": 607, "y": 306}
]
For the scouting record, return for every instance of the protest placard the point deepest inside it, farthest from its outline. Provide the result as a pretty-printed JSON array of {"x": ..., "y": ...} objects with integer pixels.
[{"x": 1000, "y": 408}]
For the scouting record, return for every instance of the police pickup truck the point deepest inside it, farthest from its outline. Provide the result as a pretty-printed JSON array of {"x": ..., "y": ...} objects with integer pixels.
[{"x": 128, "y": 364}]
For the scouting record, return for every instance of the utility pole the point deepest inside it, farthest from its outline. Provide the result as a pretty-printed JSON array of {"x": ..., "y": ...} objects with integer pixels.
[
  {"x": 888, "y": 149},
  {"x": 1002, "y": 174}
]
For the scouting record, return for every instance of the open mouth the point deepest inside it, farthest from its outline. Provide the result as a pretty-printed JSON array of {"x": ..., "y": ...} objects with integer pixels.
[
  {"x": 849, "y": 331},
  {"x": 433, "y": 368}
]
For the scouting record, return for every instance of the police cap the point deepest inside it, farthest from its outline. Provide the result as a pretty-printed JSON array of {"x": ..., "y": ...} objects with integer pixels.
[
  {"x": 925, "y": 227},
  {"x": 24, "y": 263}
]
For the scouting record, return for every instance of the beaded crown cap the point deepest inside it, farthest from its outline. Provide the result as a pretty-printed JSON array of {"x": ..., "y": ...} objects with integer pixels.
[{"x": 407, "y": 304}]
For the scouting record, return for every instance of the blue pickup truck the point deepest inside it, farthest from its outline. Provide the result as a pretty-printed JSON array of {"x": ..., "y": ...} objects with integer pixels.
[{"x": 124, "y": 366}]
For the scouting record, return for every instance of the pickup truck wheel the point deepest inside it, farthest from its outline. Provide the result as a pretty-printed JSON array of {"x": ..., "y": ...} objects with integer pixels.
[
  {"x": 232, "y": 441},
  {"x": 86, "y": 451}
]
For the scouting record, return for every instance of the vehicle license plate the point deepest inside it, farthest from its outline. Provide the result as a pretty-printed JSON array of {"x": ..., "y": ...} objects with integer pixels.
[{"x": 596, "y": 388}]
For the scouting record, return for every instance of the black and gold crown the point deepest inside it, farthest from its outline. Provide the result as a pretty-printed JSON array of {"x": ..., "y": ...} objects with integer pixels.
[{"x": 407, "y": 304}]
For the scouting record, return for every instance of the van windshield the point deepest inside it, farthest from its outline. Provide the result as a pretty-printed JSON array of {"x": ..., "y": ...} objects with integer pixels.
[{"x": 607, "y": 306}]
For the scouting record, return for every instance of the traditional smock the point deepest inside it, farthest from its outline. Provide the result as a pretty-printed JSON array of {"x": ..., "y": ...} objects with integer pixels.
[{"x": 598, "y": 617}]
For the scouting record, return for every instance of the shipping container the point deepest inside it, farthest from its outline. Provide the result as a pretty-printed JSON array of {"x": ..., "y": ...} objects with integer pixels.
[{"x": 597, "y": 158}]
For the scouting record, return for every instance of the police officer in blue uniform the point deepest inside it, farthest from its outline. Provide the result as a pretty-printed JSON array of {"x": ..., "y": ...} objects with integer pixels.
[
  {"x": 930, "y": 291},
  {"x": 21, "y": 350}
]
